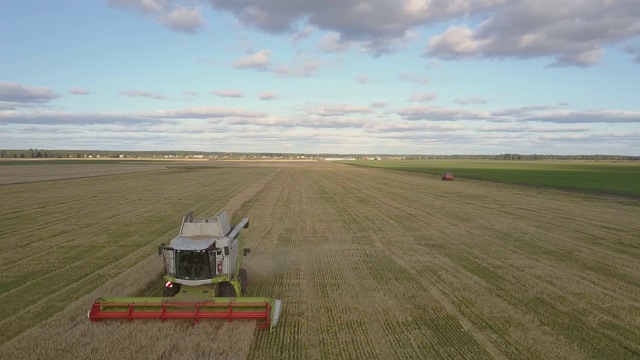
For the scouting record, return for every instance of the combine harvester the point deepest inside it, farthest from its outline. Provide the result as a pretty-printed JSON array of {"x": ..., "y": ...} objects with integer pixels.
[{"x": 203, "y": 279}]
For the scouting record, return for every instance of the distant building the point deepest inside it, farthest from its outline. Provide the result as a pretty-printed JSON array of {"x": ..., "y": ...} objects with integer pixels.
[{"x": 346, "y": 158}]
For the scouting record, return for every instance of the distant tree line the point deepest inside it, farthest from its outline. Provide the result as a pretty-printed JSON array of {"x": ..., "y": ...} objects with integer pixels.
[
  {"x": 528, "y": 157},
  {"x": 54, "y": 154},
  {"x": 81, "y": 154}
]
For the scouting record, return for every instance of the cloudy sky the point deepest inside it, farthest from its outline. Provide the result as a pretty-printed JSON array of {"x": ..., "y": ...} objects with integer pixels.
[{"x": 332, "y": 76}]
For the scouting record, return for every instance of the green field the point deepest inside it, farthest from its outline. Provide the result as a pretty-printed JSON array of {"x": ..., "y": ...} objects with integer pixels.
[{"x": 616, "y": 178}]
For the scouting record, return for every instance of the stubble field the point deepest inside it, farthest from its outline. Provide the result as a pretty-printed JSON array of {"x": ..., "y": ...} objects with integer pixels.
[{"x": 369, "y": 263}]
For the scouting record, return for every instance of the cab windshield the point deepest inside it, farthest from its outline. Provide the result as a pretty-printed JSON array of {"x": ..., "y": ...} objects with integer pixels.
[{"x": 192, "y": 265}]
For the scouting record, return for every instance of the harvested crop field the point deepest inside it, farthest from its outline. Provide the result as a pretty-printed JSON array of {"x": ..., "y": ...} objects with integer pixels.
[{"x": 369, "y": 263}]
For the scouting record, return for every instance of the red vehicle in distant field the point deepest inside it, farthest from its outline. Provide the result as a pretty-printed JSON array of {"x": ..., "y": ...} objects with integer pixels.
[{"x": 447, "y": 176}]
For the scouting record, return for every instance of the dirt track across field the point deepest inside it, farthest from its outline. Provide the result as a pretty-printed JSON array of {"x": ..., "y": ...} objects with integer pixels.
[{"x": 382, "y": 264}]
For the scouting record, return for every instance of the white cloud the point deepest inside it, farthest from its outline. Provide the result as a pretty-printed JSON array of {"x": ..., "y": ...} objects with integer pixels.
[
  {"x": 301, "y": 67},
  {"x": 573, "y": 33},
  {"x": 268, "y": 95},
  {"x": 349, "y": 127},
  {"x": 338, "y": 110},
  {"x": 187, "y": 19},
  {"x": 333, "y": 44},
  {"x": 417, "y": 79},
  {"x": 229, "y": 93},
  {"x": 213, "y": 114},
  {"x": 362, "y": 79},
  {"x": 259, "y": 60},
  {"x": 79, "y": 91},
  {"x": 69, "y": 118},
  {"x": 183, "y": 19},
  {"x": 143, "y": 6},
  {"x": 522, "y": 128},
  {"x": 471, "y": 101},
  {"x": 306, "y": 122},
  {"x": 408, "y": 126},
  {"x": 423, "y": 97},
  {"x": 586, "y": 117},
  {"x": 584, "y": 58},
  {"x": 522, "y": 112},
  {"x": 142, "y": 93},
  {"x": 456, "y": 42},
  {"x": 415, "y": 113},
  {"x": 303, "y": 34},
  {"x": 377, "y": 26},
  {"x": 16, "y": 93},
  {"x": 205, "y": 113}
]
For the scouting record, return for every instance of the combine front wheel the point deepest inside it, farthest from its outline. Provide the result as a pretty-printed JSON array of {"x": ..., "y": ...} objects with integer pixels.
[
  {"x": 171, "y": 291},
  {"x": 244, "y": 279},
  {"x": 227, "y": 290}
]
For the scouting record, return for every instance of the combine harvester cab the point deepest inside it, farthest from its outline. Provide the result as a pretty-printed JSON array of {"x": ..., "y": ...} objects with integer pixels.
[{"x": 204, "y": 279}]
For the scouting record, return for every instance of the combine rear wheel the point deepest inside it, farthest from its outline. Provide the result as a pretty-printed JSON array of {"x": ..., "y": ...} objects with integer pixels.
[
  {"x": 227, "y": 290},
  {"x": 244, "y": 279}
]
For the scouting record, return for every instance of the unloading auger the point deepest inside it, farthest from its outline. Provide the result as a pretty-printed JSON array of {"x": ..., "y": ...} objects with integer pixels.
[{"x": 203, "y": 279}]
